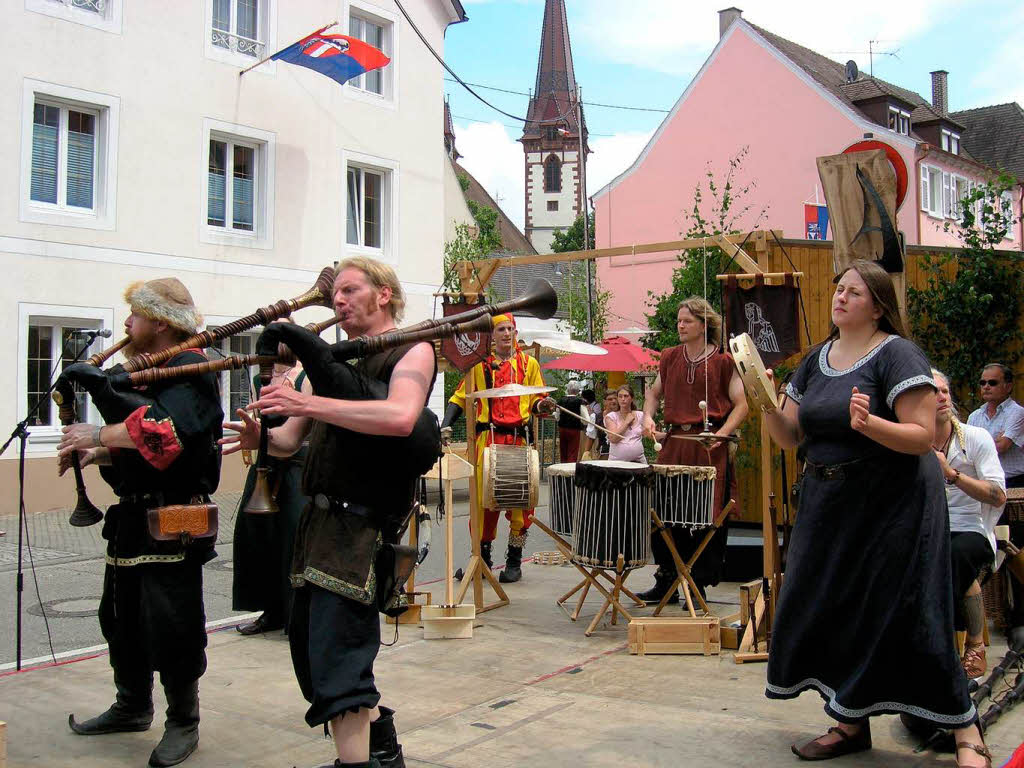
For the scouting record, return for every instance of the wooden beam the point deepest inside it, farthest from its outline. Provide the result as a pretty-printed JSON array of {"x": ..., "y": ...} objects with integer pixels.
[
  {"x": 600, "y": 253},
  {"x": 737, "y": 253}
]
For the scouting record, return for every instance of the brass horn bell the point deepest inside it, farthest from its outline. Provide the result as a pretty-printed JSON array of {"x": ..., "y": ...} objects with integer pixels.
[{"x": 261, "y": 500}]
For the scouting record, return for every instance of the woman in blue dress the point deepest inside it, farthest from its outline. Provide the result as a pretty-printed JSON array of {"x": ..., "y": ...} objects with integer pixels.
[{"x": 865, "y": 615}]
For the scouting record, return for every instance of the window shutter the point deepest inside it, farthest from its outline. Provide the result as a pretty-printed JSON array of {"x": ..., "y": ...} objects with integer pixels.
[
  {"x": 924, "y": 188},
  {"x": 946, "y": 195},
  {"x": 81, "y": 153},
  {"x": 353, "y": 223},
  {"x": 44, "y": 156}
]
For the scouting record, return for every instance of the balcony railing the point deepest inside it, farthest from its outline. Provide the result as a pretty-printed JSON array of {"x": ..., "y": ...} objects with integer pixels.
[
  {"x": 93, "y": 6},
  {"x": 244, "y": 45}
]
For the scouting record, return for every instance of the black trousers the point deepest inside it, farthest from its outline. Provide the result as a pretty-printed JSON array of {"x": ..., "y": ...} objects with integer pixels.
[
  {"x": 153, "y": 619},
  {"x": 334, "y": 641},
  {"x": 969, "y": 552},
  {"x": 707, "y": 571}
]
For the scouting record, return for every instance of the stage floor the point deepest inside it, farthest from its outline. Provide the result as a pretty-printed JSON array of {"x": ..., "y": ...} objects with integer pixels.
[{"x": 528, "y": 689}]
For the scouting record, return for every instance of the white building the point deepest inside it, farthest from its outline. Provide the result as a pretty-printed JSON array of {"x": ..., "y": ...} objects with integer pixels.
[{"x": 125, "y": 119}]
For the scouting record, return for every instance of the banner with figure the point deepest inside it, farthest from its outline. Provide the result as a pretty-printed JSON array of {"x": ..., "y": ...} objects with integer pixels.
[
  {"x": 464, "y": 351},
  {"x": 769, "y": 313}
]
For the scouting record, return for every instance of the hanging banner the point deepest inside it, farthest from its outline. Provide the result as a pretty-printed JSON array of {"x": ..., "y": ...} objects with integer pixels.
[
  {"x": 769, "y": 313},
  {"x": 464, "y": 351},
  {"x": 815, "y": 222}
]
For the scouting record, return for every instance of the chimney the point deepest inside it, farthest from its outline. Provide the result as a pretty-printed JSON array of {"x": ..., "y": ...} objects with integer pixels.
[
  {"x": 940, "y": 92},
  {"x": 726, "y": 18}
]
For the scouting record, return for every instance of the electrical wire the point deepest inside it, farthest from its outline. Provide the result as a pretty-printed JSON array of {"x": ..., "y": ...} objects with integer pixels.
[
  {"x": 585, "y": 103},
  {"x": 465, "y": 85}
]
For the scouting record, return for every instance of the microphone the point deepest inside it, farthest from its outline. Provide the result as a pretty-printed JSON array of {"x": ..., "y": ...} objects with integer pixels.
[{"x": 104, "y": 333}]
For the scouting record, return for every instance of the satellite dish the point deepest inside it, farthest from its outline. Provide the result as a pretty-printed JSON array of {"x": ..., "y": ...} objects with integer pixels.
[{"x": 851, "y": 71}]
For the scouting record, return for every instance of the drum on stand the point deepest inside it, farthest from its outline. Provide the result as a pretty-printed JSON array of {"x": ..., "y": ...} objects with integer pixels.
[
  {"x": 683, "y": 495},
  {"x": 511, "y": 477},
  {"x": 562, "y": 491},
  {"x": 611, "y": 513}
]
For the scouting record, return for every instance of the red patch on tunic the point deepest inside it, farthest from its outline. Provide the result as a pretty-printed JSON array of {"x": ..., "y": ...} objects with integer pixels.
[{"x": 156, "y": 440}]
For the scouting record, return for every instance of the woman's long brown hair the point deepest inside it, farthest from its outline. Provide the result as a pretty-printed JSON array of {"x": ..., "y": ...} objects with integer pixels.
[{"x": 882, "y": 293}]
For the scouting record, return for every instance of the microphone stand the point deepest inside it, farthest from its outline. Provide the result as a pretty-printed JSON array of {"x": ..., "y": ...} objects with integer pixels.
[{"x": 21, "y": 433}]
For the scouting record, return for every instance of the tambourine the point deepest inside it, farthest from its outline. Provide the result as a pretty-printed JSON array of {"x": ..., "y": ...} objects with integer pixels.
[{"x": 756, "y": 383}]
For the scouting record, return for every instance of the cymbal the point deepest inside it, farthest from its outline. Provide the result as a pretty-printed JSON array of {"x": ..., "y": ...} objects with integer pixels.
[
  {"x": 708, "y": 439},
  {"x": 569, "y": 346},
  {"x": 513, "y": 390}
]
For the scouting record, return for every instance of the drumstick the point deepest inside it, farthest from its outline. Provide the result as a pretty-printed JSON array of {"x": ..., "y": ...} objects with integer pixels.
[{"x": 657, "y": 445}]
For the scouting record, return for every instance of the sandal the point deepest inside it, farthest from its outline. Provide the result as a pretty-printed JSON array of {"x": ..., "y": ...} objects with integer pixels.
[
  {"x": 982, "y": 750},
  {"x": 847, "y": 744}
]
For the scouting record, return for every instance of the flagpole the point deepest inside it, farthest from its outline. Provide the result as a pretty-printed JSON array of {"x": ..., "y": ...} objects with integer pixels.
[{"x": 268, "y": 58}]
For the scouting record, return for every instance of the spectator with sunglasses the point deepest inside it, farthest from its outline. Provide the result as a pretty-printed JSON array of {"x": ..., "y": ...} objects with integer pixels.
[{"x": 1003, "y": 418}]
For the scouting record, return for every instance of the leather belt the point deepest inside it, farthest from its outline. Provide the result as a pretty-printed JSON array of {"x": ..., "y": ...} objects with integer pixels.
[
  {"x": 830, "y": 471},
  {"x": 324, "y": 503},
  {"x": 160, "y": 499}
]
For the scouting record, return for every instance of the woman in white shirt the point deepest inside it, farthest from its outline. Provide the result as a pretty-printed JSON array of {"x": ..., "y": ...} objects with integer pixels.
[{"x": 626, "y": 429}]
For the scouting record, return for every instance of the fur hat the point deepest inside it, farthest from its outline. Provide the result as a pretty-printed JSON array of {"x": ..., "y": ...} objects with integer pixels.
[{"x": 166, "y": 300}]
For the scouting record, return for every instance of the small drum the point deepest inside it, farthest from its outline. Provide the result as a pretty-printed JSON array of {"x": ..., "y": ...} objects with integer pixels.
[
  {"x": 560, "y": 498},
  {"x": 611, "y": 513},
  {"x": 511, "y": 477},
  {"x": 757, "y": 385},
  {"x": 684, "y": 495}
]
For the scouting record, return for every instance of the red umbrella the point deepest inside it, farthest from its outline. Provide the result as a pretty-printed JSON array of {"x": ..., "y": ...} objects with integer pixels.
[{"x": 623, "y": 355}]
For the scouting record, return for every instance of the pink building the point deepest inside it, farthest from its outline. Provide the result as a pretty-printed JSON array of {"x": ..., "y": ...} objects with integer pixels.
[{"x": 787, "y": 105}]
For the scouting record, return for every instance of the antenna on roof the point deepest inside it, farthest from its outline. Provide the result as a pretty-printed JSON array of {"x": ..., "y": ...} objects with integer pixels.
[{"x": 851, "y": 71}]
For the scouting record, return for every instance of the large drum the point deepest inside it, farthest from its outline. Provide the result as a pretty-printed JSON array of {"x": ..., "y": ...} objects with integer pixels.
[
  {"x": 684, "y": 495},
  {"x": 611, "y": 513},
  {"x": 511, "y": 477},
  {"x": 560, "y": 499}
]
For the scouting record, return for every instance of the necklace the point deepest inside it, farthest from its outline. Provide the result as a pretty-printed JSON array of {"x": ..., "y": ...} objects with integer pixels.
[
  {"x": 945, "y": 446},
  {"x": 693, "y": 365}
]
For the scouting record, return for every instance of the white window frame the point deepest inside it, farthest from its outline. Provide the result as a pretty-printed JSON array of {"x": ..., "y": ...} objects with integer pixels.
[
  {"x": 950, "y": 141},
  {"x": 108, "y": 18},
  {"x": 390, "y": 210},
  {"x": 266, "y": 30},
  {"x": 265, "y": 142},
  {"x": 389, "y": 21},
  {"x": 62, "y": 205},
  {"x": 46, "y": 437},
  {"x": 224, "y": 348},
  {"x": 107, "y": 109},
  {"x": 931, "y": 183},
  {"x": 1006, "y": 202},
  {"x": 902, "y": 119}
]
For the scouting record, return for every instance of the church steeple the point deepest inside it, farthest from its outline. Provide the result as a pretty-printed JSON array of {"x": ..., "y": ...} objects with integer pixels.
[{"x": 552, "y": 135}]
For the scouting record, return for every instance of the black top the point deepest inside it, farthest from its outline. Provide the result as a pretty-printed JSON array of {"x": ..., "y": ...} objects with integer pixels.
[{"x": 570, "y": 403}]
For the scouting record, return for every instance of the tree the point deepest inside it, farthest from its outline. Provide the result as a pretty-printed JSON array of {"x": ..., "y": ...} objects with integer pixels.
[
  {"x": 573, "y": 294},
  {"x": 718, "y": 208},
  {"x": 467, "y": 244},
  {"x": 968, "y": 313}
]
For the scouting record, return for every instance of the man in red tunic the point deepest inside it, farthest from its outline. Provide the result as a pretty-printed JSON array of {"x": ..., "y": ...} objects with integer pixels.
[{"x": 692, "y": 372}]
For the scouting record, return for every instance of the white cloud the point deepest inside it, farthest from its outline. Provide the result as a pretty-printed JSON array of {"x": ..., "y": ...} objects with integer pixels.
[
  {"x": 495, "y": 158},
  {"x": 675, "y": 37}
]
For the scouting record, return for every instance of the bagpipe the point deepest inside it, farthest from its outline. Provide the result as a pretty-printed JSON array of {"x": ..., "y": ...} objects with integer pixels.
[{"x": 328, "y": 369}]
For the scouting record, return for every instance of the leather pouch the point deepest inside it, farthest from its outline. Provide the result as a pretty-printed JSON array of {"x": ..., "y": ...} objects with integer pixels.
[
  {"x": 394, "y": 565},
  {"x": 182, "y": 522}
]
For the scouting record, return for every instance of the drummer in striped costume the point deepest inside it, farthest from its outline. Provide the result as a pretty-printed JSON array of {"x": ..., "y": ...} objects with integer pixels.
[{"x": 502, "y": 421}]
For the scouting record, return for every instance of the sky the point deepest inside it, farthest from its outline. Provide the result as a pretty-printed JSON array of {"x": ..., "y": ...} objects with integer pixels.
[{"x": 643, "y": 53}]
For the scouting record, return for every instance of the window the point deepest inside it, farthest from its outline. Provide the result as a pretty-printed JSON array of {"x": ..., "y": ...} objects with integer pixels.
[
  {"x": 49, "y": 343},
  {"x": 237, "y": 387},
  {"x": 552, "y": 205},
  {"x": 376, "y": 27},
  {"x": 365, "y": 204},
  {"x": 951, "y": 142},
  {"x": 101, "y": 14},
  {"x": 231, "y": 204},
  {"x": 899, "y": 120},
  {"x": 1007, "y": 205},
  {"x": 236, "y": 26},
  {"x": 552, "y": 174},
  {"x": 238, "y": 173},
  {"x": 931, "y": 191},
  {"x": 370, "y": 206},
  {"x": 69, "y": 156},
  {"x": 551, "y": 132}
]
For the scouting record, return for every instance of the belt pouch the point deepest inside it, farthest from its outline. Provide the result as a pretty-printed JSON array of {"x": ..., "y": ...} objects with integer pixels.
[
  {"x": 394, "y": 565},
  {"x": 182, "y": 522}
]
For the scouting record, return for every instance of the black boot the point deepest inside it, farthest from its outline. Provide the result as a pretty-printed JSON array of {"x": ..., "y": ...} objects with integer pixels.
[
  {"x": 384, "y": 746},
  {"x": 663, "y": 581},
  {"x": 131, "y": 711},
  {"x": 371, "y": 763},
  {"x": 485, "y": 555},
  {"x": 181, "y": 731},
  {"x": 513, "y": 571}
]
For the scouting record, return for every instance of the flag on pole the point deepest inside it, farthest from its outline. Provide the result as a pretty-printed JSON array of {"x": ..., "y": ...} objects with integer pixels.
[
  {"x": 339, "y": 57},
  {"x": 815, "y": 222}
]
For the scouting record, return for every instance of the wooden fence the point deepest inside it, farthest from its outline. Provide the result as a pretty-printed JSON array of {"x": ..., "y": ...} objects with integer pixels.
[{"x": 814, "y": 259}]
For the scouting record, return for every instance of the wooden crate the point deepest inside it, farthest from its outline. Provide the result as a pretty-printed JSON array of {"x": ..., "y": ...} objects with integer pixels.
[
  {"x": 676, "y": 634},
  {"x": 731, "y": 631}
]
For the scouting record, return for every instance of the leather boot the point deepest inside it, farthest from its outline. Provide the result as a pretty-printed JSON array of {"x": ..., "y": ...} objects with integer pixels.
[
  {"x": 371, "y": 763},
  {"x": 663, "y": 581},
  {"x": 384, "y": 746},
  {"x": 131, "y": 711},
  {"x": 485, "y": 555},
  {"x": 513, "y": 570},
  {"x": 181, "y": 731}
]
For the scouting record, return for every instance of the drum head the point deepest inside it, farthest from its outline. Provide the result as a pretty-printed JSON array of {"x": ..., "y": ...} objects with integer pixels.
[
  {"x": 756, "y": 383},
  {"x": 562, "y": 470},
  {"x": 617, "y": 464}
]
